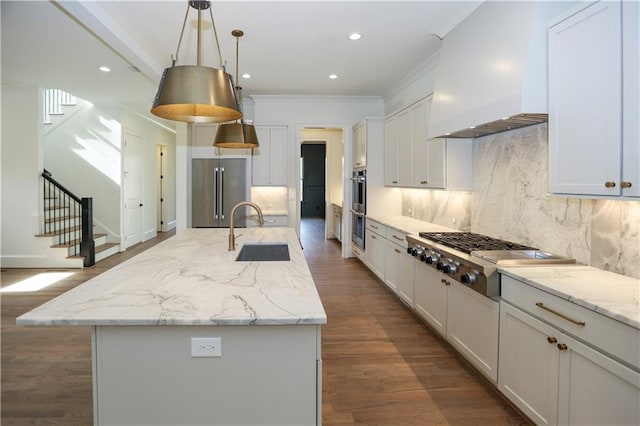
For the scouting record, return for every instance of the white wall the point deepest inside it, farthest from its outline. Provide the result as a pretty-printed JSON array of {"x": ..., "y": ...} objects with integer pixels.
[
  {"x": 21, "y": 168},
  {"x": 412, "y": 87},
  {"x": 82, "y": 150}
]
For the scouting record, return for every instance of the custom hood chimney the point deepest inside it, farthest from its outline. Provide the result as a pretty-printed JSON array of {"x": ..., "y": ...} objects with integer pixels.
[{"x": 492, "y": 70}]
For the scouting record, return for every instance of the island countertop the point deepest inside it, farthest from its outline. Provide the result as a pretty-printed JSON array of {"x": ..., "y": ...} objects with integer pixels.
[{"x": 192, "y": 279}]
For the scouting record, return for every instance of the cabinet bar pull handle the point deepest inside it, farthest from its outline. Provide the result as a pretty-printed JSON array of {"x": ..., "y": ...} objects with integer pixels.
[
  {"x": 563, "y": 316},
  {"x": 394, "y": 181},
  {"x": 610, "y": 184},
  {"x": 374, "y": 227},
  {"x": 423, "y": 182},
  {"x": 398, "y": 238},
  {"x": 552, "y": 339},
  {"x": 624, "y": 184},
  {"x": 397, "y": 251},
  {"x": 562, "y": 347},
  {"x": 373, "y": 236}
]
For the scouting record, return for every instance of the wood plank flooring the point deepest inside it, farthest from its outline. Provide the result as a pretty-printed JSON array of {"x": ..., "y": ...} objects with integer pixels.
[{"x": 381, "y": 366}]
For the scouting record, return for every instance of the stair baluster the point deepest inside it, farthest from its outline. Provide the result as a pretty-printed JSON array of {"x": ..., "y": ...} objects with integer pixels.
[{"x": 73, "y": 209}]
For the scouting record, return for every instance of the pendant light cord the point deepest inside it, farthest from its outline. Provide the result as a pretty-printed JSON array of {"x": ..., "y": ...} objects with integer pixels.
[{"x": 215, "y": 35}]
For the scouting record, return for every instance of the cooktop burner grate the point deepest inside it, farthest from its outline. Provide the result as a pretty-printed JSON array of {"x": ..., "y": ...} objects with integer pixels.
[{"x": 468, "y": 241}]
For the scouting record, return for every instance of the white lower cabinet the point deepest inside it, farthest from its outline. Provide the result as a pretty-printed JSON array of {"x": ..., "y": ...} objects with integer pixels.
[
  {"x": 430, "y": 297},
  {"x": 473, "y": 328},
  {"x": 337, "y": 222},
  {"x": 375, "y": 248},
  {"x": 555, "y": 378},
  {"x": 467, "y": 319},
  {"x": 529, "y": 364},
  {"x": 399, "y": 266}
]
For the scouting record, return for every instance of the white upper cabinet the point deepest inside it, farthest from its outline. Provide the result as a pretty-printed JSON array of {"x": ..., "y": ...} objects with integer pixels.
[
  {"x": 391, "y": 151},
  {"x": 593, "y": 110},
  {"x": 414, "y": 160},
  {"x": 359, "y": 152},
  {"x": 270, "y": 158},
  {"x": 631, "y": 98}
]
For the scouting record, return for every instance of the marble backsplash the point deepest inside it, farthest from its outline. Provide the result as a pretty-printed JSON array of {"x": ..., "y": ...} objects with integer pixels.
[
  {"x": 511, "y": 201},
  {"x": 270, "y": 198}
]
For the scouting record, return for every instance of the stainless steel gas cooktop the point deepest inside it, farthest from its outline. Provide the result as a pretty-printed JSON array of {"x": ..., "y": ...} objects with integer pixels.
[{"x": 473, "y": 259}]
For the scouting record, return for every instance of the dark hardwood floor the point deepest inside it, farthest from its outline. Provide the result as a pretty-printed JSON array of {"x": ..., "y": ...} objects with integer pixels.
[{"x": 381, "y": 365}]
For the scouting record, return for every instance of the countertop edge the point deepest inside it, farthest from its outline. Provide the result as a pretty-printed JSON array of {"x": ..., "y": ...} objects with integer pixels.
[{"x": 593, "y": 306}]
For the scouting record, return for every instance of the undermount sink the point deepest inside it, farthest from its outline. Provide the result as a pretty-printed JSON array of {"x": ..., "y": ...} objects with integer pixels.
[{"x": 263, "y": 252}]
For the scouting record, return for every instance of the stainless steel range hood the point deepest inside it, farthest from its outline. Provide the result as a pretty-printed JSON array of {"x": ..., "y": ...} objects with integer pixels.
[{"x": 492, "y": 71}]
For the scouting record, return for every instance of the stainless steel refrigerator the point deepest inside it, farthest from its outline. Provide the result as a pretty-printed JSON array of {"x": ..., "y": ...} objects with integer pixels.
[{"x": 216, "y": 186}]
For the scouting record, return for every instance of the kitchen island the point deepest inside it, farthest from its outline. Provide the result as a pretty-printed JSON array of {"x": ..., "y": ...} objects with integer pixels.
[{"x": 145, "y": 314}]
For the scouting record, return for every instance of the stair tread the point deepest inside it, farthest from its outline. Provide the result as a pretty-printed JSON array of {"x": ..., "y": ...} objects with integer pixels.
[{"x": 76, "y": 241}]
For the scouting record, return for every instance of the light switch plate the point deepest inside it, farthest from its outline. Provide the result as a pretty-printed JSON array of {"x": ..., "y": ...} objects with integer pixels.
[{"x": 206, "y": 347}]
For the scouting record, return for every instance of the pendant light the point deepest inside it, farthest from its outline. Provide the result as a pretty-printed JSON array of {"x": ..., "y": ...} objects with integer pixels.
[
  {"x": 195, "y": 93},
  {"x": 239, "y": 134}
]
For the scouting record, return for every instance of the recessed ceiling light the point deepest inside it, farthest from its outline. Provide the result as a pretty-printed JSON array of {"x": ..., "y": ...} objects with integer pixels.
[
  {"x": 333, "y": 76},
  {"x": 104, "y": 69},
  {"x": 355, "y": 36},
  {"x": 246, "y": 75}
]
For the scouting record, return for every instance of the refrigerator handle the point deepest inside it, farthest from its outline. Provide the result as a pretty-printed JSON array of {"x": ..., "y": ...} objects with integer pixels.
[
  {"x": 222, "y": 193},
  {"x": 215, "y": 200}
]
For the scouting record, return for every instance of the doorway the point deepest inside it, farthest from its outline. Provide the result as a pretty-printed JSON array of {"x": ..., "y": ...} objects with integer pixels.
[{"x": 312, "y": 180}]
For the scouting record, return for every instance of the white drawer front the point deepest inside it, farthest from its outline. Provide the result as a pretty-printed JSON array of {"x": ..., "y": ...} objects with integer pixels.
[
  {"x": 397, "y": 237},
  {"x": 602, "y": 332},
  {"x": 376, "y": 227}
]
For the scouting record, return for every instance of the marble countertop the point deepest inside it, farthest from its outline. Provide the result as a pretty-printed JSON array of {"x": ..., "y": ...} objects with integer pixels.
[
  {"x": 614, "y": 295},
  {"x": 192, "y": 279},
  {"x": 408, "y": 225}
]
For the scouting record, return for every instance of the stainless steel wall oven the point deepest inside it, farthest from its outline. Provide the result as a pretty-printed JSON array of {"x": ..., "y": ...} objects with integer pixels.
[{"x": 358, "y": 206}]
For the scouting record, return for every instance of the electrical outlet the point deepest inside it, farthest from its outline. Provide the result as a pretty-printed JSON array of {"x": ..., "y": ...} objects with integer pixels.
[{"x": 206, "y": 346}]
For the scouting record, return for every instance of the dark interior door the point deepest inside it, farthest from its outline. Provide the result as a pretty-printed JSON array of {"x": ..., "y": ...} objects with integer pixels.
[{"x": 313, "y": 178}]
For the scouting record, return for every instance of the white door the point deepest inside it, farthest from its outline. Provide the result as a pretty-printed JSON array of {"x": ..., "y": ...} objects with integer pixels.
[{"x": 132, "y": 190}]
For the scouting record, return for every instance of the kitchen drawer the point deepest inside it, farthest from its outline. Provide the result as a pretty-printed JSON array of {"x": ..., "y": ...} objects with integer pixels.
[
  {"x": 376, "y": 227},
  {"x": 397, "y": 237},
  {"x": 602, "y": 332}
]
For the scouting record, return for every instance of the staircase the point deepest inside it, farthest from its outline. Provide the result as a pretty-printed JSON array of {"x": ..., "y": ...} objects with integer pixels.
[{"x": 64, "y": 215}]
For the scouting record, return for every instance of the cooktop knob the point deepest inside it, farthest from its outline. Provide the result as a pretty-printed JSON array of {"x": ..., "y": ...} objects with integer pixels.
[
  {"x": 453, "y": 268},
  {"x": 468, "y": 278},
  {"x": 440, "y": 266},
  {"x": 418, "y": 252},
  {"x": 410, "y": 250},
  {"x": 428, "y": 259}
]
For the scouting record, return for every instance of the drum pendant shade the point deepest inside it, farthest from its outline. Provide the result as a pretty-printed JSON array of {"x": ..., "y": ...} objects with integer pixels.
[
  {"x": 236, "y": 135},
  {"x": 196, "y": 94}
]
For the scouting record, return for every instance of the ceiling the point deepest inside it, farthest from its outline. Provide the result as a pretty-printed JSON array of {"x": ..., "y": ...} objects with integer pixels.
[{"x": 289, "y": 47}]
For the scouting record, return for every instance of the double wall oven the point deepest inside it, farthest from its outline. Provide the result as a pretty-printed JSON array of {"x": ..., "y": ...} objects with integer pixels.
[{"x": 358, "y": 206}]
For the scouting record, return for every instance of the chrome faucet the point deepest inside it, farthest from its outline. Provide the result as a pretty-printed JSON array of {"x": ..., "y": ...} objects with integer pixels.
[{"x": 232, "y": 237}]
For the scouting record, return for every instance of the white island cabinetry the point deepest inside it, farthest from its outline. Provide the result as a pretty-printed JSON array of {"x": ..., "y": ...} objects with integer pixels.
[
  {"x": 561, "y": 363},
  {"x": 148, "y": 313}
]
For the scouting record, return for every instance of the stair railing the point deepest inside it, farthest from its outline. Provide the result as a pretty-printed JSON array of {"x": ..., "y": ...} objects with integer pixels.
[{"x": 76, "y": 209}]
